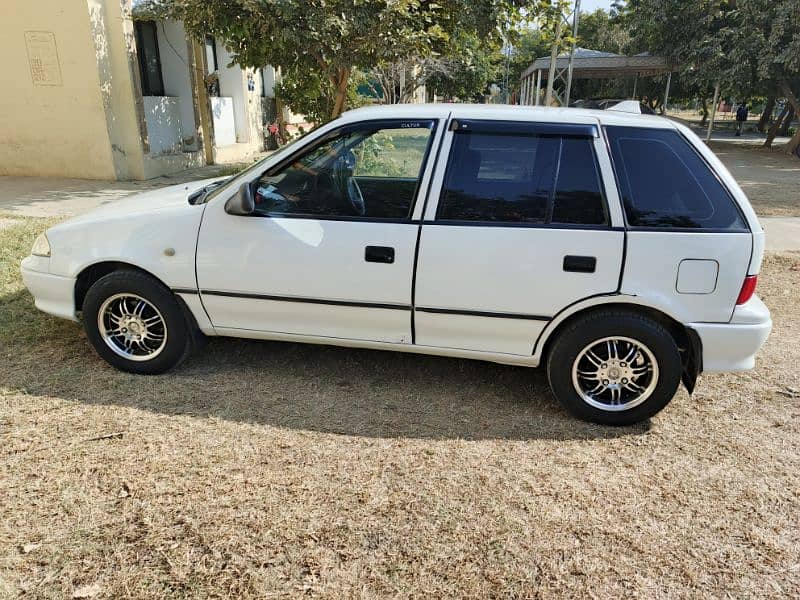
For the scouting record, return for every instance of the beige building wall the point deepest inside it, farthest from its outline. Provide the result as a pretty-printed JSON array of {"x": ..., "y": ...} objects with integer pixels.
[
  {"x": 73, "y": 105},
  {"x": 68, "y": 108}
]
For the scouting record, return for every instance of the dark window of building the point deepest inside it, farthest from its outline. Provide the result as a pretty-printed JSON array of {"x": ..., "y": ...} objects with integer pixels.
[
  {"x": 666, "y": 183},
  {"x": 522, "y": 178},
  {"x": 211, "y": 54},
  {"x": 149, "y": 58}
]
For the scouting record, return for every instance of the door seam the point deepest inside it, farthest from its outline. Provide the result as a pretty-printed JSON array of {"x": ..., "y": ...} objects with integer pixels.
[{"x": 434, "y": 167}]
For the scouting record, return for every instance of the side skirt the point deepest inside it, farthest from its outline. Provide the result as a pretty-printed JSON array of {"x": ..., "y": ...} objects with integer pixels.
[{"x": 506, "y": 359}]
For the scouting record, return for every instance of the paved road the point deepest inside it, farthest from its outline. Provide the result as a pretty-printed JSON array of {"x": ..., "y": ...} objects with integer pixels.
[
  {"x": 56, "y": 196},
  {"x": 783, "y": 233}
]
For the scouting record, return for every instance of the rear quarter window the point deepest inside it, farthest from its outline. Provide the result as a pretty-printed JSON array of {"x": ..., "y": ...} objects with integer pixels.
[{"x": 665, "y": 183}]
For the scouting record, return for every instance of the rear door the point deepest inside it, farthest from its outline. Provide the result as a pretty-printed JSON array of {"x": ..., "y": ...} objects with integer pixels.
[{"x": 517, "y": 228}]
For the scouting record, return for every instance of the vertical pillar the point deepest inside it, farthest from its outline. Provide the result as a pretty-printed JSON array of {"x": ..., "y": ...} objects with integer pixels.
[
  {"x": 666, "y": 91},
  {"x": 575, "y": 18},
  {"x": 548, "y": 97},
  {"x": 538, "y": 98},
  {"x": 205, "y": 123},
  {"x": 713, "y": 112}
]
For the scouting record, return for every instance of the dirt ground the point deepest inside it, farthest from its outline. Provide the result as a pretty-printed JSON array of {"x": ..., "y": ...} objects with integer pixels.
[
  {"x": 769, "y": 177},
  {"x": 273, "y": 470}
]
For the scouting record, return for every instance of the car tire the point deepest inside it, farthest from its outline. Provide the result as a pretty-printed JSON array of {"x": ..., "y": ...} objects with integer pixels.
[
  {"x": 614, "y": 367},
  {"x": 135, "y": 323}
]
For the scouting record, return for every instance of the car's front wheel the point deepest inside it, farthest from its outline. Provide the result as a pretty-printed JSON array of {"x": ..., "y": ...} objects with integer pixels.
[
  {"x": 614, "y": 367},
  {"x": 135, "y": 323}
]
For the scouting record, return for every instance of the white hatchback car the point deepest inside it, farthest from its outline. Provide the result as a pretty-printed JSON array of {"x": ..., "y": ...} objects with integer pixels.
[{"x": 616, "y": 249}]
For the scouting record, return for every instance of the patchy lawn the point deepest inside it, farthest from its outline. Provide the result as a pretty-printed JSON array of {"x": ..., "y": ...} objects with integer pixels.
[{"x": 269, "y": 469}]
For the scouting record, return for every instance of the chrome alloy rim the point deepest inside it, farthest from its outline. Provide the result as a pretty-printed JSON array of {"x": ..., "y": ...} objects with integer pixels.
[
  {"x": 132, "y": 327},
  {"x": 615, "y": 373}
]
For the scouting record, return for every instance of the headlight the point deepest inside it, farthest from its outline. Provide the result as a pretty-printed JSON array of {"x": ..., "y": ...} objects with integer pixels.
[{"x": 41, "y": 247}]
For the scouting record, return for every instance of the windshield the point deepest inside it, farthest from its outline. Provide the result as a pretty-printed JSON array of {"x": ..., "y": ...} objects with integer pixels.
[{"x": 216, "y": 191}]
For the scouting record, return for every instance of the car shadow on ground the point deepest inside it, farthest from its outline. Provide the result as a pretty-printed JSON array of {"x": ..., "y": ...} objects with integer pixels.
[{"x": 299, "y": 386}]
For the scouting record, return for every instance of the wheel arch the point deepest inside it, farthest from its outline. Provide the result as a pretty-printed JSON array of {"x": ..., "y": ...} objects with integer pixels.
[
  {"x": 686, "y": 339},
  {"x": 94, "y": 272}
]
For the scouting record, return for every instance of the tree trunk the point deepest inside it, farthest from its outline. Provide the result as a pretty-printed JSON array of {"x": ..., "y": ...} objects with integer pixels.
[
  {"x": 773, "y": 130},
  {"x": 794, "y": 143},
  {"x": 787, "y": 121},
  {"x": 704, "y": 106},
  {"x": 340, "y": 82},
  {"x": 766, "y": 115},
  {"x": 654, "y": 102}
]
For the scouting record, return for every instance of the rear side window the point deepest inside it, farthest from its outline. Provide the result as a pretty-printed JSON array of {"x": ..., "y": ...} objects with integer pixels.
[
  {"x": 665, "y": 183},
  {"x": 506, "y": 177},
  {"x": 577, "y": 191}
]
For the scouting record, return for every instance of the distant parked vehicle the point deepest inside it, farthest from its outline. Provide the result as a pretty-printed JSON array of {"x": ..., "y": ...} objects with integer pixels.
[
  {"x": 614, "y": 249},
  {"x": 607, "y": 103}
]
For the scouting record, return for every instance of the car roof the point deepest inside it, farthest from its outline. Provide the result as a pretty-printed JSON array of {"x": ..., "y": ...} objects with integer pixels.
[{"x": 507, "y": 112}]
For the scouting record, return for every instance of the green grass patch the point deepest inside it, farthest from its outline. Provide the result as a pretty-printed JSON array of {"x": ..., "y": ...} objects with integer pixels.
[{"x": 22, "y": 327}]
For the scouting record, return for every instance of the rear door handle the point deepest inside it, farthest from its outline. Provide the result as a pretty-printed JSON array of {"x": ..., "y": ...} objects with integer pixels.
[
  {"x": 379, "y": 254},
  {"x": 580, "y": 264}
]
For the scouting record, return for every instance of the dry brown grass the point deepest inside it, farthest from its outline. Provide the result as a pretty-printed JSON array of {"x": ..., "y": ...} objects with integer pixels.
[{"x": 267, "y": 469}]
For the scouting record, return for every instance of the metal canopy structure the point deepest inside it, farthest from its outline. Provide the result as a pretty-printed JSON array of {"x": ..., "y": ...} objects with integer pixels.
[{"x": 592, "y": 64}]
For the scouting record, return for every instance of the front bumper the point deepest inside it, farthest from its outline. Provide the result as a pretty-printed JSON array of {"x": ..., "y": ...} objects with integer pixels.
[
  {"x": 52, "y": 294},
  {"x": 733, "y": 346}
]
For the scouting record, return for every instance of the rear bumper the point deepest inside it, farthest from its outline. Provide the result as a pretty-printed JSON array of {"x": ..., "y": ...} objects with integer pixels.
[
  {"x": 733, "y": 346},
  {"x": 52, "y": 294}
]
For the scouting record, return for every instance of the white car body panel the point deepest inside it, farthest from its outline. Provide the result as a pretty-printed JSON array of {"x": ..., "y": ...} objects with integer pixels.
[
  {"x": 506, "y": 269},
  {"x": 53, "y": 294},
  {"x": 308, "y": 260},
  {"x": 651, "y": 271},
  {"x": 515, "y": 271},
  {"x": 137, "y": 231}
]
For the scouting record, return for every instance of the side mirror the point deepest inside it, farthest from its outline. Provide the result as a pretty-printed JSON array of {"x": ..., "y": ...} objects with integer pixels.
[{"x": 241, "y": 204}]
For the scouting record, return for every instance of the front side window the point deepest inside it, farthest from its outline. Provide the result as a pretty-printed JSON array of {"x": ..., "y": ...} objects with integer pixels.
[
  {"x": 665, "y": 183},
  {"x": 509, "y": 177},
  {"x": 370, "y": 170}
]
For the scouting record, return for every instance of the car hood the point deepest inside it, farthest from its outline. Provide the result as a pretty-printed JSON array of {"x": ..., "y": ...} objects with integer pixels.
[{"x": 166, "y": 199}]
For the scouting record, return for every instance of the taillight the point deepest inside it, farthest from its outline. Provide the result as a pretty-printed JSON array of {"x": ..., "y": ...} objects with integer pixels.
[{"x": 748, "y": 289}]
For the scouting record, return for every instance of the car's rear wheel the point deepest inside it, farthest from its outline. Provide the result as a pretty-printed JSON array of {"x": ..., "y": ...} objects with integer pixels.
[
  {"x": 614, "y": 367},
  {"x": 135, "y": 323}
]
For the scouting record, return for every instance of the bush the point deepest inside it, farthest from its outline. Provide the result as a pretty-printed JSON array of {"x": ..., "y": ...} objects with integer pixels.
[{"x": 311, "y": 96}]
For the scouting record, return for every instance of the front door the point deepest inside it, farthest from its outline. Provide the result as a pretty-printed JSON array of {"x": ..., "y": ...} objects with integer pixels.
[
  {"x": 520, "y": 231},
  {"x": 329, "y": 251}
]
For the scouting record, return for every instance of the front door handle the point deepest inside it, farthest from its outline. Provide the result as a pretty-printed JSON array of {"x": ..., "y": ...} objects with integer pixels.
[{"x": 379, "y": 254}]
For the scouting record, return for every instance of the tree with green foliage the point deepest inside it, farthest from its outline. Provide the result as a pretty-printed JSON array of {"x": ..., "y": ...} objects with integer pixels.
[
  {"x": 467, "y": 69},
  {"x": 327, "y": 41},
  {"x": 764, "y": 41},
  {"x": 528, "y": 45},
  {"x": 603, "y": 31},
  {"x": 307, "y": 93},
  {"x": 752, "y": 47}
]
